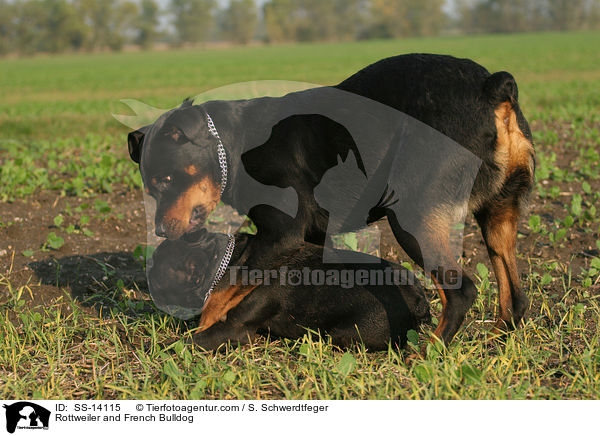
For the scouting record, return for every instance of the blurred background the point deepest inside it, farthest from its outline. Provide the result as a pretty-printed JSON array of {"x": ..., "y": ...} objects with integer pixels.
[{"x": 30, "y": 26}]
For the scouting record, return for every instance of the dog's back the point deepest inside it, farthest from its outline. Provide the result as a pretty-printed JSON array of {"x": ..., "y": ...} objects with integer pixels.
[{"x": 456, "y": 97}]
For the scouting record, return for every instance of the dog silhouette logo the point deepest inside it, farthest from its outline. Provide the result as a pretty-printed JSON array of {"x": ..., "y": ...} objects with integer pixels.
[{"x": 26, "y": 415}]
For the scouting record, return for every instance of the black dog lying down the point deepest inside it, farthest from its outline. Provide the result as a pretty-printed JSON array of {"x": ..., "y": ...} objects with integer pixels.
[{"x": 375, "y": 314}]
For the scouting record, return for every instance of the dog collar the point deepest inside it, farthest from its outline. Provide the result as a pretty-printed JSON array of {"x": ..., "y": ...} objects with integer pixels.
[
  {"x": 222, "y": 266},
  {"x": 231, "y": 244},
  {"x": 220, "y": 152}
]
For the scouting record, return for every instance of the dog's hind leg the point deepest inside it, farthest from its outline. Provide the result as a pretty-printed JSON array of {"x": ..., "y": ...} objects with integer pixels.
[
  {"x": 499, "y": 228},
  {"x": 499, "y": 216},
  {"x": 430, "y": 250}
]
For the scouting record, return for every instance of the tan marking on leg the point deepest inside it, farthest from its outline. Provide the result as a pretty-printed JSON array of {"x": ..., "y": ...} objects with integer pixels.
[
  {"x": 500, "y": 234},
  {"x": 513, "y": 151},
  {"x": 443, "y": 317}
]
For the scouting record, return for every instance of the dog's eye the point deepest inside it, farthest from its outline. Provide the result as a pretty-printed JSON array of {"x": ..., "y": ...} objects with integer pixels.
[
  {"x": 175, "y": 134},
  {"x": 161, "y": 183}
]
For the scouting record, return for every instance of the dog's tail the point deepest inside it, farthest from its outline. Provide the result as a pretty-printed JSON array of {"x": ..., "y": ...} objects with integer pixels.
[{"x": 501, "y": 87}]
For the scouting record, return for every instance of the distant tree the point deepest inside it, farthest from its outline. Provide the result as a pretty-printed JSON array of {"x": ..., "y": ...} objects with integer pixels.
[
  {"x": 490, "y": 16},
  {"x": 593, "y": 15},
  {"x": 567, "y": 14},
  {"x": 465, "y": 21},
  {"x": 351, "y": 18},
  {"x": 97, "y": 18},
  {"x": 122, "y": 23},
  {"x": 239, "y": 21},
  {"x": 315, "y": 20},
  {"x": 110, "y": 22},
  {"x": 279, "y": 22},
  {"x": 6, "y": 27},
  {"x": 425, "y": 17},
  {"x": 389, "y": 19},
  {"x": 63, "y": 27},
  {"x": 536, "y": 13},
  {"x": 29, "y": 26},
  {"x": 512, "y": 15},
  {"x": 147, "y": 24},
  {"x": 193, "y": 19},
  {"x": 486, "y": 15},
  {"x": 402, "y": 18}
]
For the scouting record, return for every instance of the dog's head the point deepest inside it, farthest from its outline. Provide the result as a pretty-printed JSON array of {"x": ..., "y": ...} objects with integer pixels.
[
  {"x": 184, "y": 270},
  {"x": 180, "y": 169}
]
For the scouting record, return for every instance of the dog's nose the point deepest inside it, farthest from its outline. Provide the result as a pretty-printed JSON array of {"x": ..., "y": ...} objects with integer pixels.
[{"x": 160, "y": 230}]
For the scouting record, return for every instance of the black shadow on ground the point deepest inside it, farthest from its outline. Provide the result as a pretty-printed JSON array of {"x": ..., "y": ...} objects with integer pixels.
[{"x": 97, "y": 281}]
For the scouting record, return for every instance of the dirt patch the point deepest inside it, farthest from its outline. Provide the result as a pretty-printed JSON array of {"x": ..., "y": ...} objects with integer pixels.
[{"x": 86, "y": 265}]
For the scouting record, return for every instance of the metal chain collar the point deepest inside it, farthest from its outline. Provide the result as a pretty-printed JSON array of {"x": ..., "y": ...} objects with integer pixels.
[
  {"x": 220, "y": 151},
  {"x": 231, "y": 244},
  {"x": 222, "y": 266}
]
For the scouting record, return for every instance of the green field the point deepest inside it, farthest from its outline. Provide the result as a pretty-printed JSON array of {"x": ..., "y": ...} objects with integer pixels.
[{"x": 66, "y": 192}]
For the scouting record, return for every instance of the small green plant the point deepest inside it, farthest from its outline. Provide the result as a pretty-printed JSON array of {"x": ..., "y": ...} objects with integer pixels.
[
  {"x": 347, "y": 364},
  {"x": 556, "y": 237},
  {"x": 585, "y": 186},
  {"x": 58, "y": 221},
  {"x": 102, "y": 207},
  {"x": 545, "y": 167},
  {"x": 590, "y": 276},
  {"x": 53, "y": 241},
  {"x": 142, "y": 253},
  {"x": 535, "y": 223},
  {"x": 576, "y": 205}
]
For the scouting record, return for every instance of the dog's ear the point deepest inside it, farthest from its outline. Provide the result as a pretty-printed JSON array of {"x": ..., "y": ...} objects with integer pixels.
[{"x": 135, "y": 141}]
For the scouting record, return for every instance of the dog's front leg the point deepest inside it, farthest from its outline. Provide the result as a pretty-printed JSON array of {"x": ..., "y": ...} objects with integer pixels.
[{"x": 221, "y": 333}]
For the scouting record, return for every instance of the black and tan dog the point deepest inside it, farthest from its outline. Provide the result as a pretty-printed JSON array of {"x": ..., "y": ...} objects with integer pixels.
[
  {"x": 188, "y": 169},
  {"x": 370, "y": 303}
]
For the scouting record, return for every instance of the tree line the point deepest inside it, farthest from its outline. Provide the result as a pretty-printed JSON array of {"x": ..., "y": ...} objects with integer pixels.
[{"x": 29, "y": 26}]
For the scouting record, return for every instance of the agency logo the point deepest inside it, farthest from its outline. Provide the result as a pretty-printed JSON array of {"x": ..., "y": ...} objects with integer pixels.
[{"x": 26, "y": 415}]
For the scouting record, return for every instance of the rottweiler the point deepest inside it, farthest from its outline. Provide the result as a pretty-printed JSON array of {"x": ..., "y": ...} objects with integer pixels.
[
  {"x": 373, "y": 303},
  {"x": 193, "y": 157}
]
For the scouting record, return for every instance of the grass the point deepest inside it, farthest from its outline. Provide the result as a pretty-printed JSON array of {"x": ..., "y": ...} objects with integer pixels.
[
  {"x": 71, "y": 95},
  {"x": 59, "y": 140},
  {"x": 92, "y": 167},
  {"x": 65, "y": 353}
]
